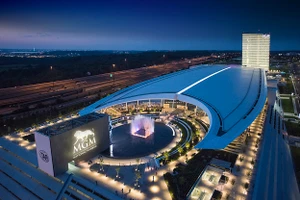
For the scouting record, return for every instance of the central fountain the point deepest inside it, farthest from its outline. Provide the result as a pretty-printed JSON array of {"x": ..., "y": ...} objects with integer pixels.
[
  {"x": 142, "y": 126},
  {"x": 141, "y": 136}
]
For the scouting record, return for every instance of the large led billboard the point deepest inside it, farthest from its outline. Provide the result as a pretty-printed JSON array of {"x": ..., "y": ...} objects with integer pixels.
[{"x": 78, "y": 143}]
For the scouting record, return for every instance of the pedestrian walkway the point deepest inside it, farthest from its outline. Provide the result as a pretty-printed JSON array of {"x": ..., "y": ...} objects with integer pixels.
[
  {"x": 244, "y": 166},
  {"x": 152, "y": 183}
]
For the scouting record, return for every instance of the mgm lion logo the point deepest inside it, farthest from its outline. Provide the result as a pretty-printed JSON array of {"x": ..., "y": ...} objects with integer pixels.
[
  {"x": 83, "y": 135},
  {"x": 44, "y": 156},
  {"x": 85, "y": 140}
]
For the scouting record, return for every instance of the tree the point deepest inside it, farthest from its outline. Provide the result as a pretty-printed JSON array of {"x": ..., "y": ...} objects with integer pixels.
[
  {"x": 101, "y": 160},
  {"x": 246, "y": 186},
  {"x": 117, "y": 170},
  {"x": 137, "y": 177},
  {"x": 137, "y": 163},
  {"x": 180, "y": 150},
  {"x": 197, "y": 132},
  {"x": 20, "y": 130},
  {"x": 187, "y": 145},
  {"x": 249, "y": 173},
  {"x": 232, "y": 182},
  {"x": 34, "y": 125},
  {"x": 59, "y": 115},
  {"x": 166, "y": 155},
  {"x": 246, "y": 140},
  {"x": 241, "y": 158}
]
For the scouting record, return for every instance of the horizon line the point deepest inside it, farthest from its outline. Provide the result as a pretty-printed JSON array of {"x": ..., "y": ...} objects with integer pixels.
[{"x": 53, "y": 49}]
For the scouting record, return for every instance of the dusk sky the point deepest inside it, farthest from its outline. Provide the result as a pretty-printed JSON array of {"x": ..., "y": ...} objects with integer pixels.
[{"x": 146, "y": 25}]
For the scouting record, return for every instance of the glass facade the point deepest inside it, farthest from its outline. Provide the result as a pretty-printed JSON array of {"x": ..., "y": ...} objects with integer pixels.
[{"x": 256, "y": 50}]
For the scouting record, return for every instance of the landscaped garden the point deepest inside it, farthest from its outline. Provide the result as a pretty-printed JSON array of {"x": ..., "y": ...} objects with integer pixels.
[
  {"x": 287, "y": 105},
  {"x": 184, "y": 176}
]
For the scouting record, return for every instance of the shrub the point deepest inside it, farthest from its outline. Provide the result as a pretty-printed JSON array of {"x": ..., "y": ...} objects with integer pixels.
[
  {"x": 249, "y": 173},
  {"x": 241, "y": 158},
  {"x": 232, "y": 182},
  {"x": 174, "y": 156},
  {"x": 246, "y": 186}
]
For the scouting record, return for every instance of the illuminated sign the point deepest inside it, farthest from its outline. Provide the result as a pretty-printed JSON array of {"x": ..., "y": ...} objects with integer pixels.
[{"x": 85, "y": 141}]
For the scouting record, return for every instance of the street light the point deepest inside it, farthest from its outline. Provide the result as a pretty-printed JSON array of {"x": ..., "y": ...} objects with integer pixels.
[{"x": 51, "y": 70}]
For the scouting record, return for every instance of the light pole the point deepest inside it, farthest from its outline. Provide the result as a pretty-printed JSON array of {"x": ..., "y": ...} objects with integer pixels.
[
  {"x": 52, "y": 73},
  {"x": 112, "y": 76},
  {"x": 126, "y": 63}
]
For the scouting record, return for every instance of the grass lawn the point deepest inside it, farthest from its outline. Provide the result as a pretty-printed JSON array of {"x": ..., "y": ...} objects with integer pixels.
[{"x": 287, "y": 105}]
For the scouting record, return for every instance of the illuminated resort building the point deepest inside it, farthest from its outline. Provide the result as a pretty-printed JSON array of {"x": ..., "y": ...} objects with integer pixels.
[{"x": 54, "y": 162}]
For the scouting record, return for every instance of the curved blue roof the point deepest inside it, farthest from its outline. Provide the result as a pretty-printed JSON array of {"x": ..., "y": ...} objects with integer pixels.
[{"x": 232, "y": 96}]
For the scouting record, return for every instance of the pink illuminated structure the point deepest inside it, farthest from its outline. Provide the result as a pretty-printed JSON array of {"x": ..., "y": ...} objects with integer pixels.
[{"x": 142, "y": 126}]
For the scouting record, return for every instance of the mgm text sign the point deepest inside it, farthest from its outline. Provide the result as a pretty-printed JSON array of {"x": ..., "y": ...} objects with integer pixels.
[{"x": 83, "y": 142}]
